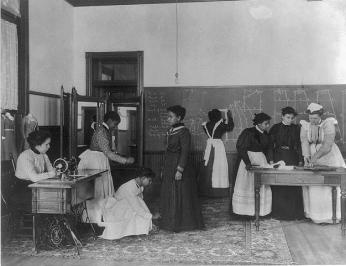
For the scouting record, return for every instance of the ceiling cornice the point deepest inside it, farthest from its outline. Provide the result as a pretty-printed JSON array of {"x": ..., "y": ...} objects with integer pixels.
[{"x": 77, "y": 3}]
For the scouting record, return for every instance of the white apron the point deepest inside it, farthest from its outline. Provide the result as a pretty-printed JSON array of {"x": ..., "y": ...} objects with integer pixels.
[
  {"x": 318, "y": 199},
  {"x": 103, "y": 185},
  {"x": 126, "y": 213},
  {"x": 220, "y": 177},
  {"x": 243, "y": 200}
]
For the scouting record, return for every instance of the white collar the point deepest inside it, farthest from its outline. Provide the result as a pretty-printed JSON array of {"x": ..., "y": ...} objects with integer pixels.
[
  {"x": 105, "y": 125},
  {"x": 259, "y": 129},
  {"x": 174, "y": 130}
]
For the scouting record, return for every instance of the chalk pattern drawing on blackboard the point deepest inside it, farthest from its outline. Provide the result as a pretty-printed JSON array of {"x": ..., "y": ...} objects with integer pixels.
[{"x": 243, "y": 102}]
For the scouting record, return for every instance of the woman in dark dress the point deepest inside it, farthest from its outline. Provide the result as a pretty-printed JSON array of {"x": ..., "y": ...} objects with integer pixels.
[
  {"x": 180, "y": 208},
  {"x": 287, "y": 201},
  {"x": 213, "y": 178},
  {"x": 254, "y": 148}
]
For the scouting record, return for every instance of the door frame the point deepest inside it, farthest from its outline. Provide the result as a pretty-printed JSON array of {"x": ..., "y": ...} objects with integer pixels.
[
  {"x": 140, "y": 137},
  {"x": 90, "y": 56},
  {"x": 139, "y": 100}
]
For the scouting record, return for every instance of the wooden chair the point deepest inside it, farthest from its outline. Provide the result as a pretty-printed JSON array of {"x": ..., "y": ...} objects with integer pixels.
[{"x": 19, "y": 203}]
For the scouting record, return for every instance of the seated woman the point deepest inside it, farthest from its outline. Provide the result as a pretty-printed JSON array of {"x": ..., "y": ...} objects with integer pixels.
[
  {"x": 126, "y": 213},
  {"x": 287, "y": 200},
  {"x": 97, "y": 157},
  {"x": 318, "y": 146},
  {"x": 33, "y": 165},
  {"x": 213, "y": 177},
  {"x": 253, "y": 146}
]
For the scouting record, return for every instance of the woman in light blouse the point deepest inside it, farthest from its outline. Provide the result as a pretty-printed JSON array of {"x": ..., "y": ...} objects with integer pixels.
[
  {"x": 33, "y": 164},
  {"x": 319, "y": 148}
]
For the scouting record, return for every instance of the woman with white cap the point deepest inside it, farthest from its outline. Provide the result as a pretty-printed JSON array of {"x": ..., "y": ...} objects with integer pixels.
[{"x": 318, "y": 148}]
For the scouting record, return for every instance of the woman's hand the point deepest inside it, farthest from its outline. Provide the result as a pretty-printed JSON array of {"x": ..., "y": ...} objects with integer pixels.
[
  {"x": 130, "y": 160},
  {"x": 52, "y": 173},
  {"x": 178, "y": 175},
  {"x": 248, "y": 166},
  {"x": 307, "y": 160},
  {"x": 156, "y": 216},
  {"x": 313, "y": 161}
]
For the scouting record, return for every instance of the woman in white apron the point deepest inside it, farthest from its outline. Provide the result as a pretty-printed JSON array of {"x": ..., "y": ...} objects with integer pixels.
[
  {"x": 213, "y": 177},
  {"x": 318, "y": 147},
  {"x": 126, "y": 213},
  {"x": 97, "y": 157},
  {"x": 254, "y": 148}
]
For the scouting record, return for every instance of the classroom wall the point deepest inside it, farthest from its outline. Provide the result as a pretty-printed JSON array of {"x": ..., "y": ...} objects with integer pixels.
[
  {"x": 50, "y": 45},
  {"x": 45, "y": 109},
  {"x": 221, "y": 43}
]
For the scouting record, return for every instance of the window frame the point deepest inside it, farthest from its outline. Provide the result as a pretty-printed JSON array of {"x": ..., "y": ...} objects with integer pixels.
[{"x": 22, "y": 23}]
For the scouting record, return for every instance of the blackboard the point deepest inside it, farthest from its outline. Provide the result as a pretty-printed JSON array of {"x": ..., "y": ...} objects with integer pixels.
[{"x": 243, "y": 101}]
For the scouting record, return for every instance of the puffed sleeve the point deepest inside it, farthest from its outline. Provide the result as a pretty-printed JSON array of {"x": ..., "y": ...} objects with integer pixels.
[
  {"x": 304, "y": 138},
  {"x": 328, "y": 127},
  {"x": 26, "y": 169},
  {"x": 185, "y": 142},
  {"x": 243, "y": 146},
  {"x": 104, "y": 146}
]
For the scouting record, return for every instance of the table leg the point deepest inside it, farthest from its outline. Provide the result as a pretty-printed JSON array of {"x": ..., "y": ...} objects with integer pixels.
[
  {"x": 343, "y": 204},
  {"x": 257, "y": 184},
  {"x": 34, "y": 240},
  {"x": 334, "y": 204}
]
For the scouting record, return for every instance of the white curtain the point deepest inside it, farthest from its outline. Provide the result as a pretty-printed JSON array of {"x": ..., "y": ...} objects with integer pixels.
[
  {"x": 12, "y": 6},
  {"x": 9, "y": 66}
]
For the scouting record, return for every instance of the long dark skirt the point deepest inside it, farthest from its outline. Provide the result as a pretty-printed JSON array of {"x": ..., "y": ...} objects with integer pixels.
[
  {"x": 287, "y": 201},
  {"x": 205, "y": 180},
  {"x": 180, "y": 207}
]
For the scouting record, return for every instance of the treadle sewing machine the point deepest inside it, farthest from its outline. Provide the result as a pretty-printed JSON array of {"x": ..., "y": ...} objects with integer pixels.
[{"x": 61, "y": 201}]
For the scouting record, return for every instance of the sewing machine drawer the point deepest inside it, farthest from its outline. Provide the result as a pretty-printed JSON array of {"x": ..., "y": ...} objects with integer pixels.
[{"x": 51, "y": 200}]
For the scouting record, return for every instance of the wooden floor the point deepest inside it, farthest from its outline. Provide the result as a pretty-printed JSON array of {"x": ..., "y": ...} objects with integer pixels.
[
  {"x": 315, "y": 244},
  {"x": 308, "y": 243}
]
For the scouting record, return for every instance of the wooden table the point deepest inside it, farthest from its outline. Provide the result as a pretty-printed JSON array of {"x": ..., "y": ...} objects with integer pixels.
[
  {"x": 276, "y": 177},
  {"x": 61, "y": 196}
]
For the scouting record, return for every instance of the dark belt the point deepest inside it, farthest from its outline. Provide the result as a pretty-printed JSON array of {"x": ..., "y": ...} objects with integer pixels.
[{"x": 285, "y": 148}]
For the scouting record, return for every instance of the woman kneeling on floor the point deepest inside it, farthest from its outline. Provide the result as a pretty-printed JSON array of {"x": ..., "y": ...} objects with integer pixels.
[{"x": 126, "y": 213}]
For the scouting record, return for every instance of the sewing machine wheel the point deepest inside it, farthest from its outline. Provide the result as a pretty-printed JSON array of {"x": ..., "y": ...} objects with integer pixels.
[{"x": 61, "y": 165}]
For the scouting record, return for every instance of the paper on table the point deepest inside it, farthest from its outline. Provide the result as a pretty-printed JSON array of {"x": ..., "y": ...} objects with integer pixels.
[{"x": 281, "y": 165}]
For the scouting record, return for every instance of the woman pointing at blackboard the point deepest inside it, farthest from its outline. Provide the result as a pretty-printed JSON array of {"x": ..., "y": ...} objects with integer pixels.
[
  {"x": 180, "y": 208},
  {"x": 213, "y": 178}
]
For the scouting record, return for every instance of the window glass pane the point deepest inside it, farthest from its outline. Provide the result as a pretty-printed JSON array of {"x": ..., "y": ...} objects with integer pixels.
[
  {"x": 114, "y": 71},
  {"x": 9, "y": 65}
]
